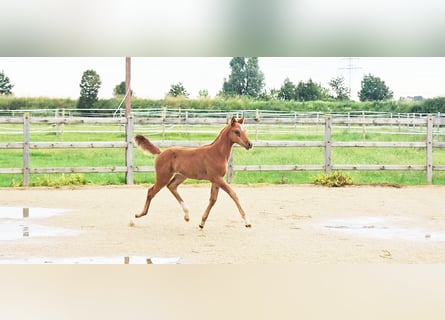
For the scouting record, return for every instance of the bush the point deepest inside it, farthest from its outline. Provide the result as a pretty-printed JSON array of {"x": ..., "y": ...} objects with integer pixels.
[
  {"x": 333, "y": 179},
  {"x": 63, "y": 180},
  {"x": 433, "y": 105},
  {"x": 14, "y": 103}
]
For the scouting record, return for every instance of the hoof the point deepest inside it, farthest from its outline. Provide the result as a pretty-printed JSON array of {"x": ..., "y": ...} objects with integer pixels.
[
  {"x": 201, "y": 227},
  {"x": 187, "y": 219},
  {"x": 248, "y": 225}
]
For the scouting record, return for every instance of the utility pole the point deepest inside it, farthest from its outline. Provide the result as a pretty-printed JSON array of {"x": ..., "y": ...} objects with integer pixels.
[
  {"x": 127, "y": 86},
  {"x": 129, "y": 128},
  {"x": 350, "y": 67}
]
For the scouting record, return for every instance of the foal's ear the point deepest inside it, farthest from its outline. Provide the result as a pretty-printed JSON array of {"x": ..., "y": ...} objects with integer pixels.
[
  {"x": 233, "y": 121},
  {"x": 241, "y": 121}
]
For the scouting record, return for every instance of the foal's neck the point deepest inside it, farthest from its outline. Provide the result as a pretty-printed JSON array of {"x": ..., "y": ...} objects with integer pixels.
[{"x": 222, "y": 144}]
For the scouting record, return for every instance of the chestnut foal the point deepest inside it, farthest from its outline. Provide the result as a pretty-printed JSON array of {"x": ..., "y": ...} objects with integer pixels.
[{"x": 174, "y": 165}]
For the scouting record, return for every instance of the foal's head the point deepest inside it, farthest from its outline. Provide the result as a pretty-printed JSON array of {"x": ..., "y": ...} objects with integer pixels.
[{"x": 237, "y": 134}]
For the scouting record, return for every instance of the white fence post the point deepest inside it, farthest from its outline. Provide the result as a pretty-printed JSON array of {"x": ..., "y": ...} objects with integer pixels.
[
  {"x": 26, "y": 135},
  {"x": 328, "y": 143},
  {"x": 363, "y": 127},
  {"x": 429, "y": 149},
  {"x": 129, "y": 160},
  {"x": 62, "y": 126},
  {"x": 257, "y": 120},
  {"x": 164, "y": 119},
  {"x": 229, "y": 175}
]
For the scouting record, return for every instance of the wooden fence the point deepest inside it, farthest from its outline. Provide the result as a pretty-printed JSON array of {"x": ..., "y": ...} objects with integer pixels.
[{"x": 129, "y": 122}]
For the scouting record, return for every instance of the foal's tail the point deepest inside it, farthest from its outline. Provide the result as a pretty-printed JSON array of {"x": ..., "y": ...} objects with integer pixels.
[{"x": 145, "y": 145}]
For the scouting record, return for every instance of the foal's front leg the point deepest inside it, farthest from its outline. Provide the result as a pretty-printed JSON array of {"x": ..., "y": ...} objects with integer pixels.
[
  {"x": 234, "y": 196},
  {"x": 213, "y": 197},
  {"x": 223, "y": 185}
]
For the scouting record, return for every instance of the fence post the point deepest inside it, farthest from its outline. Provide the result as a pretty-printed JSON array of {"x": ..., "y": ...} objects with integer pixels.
[
  {"x": 164, "y": 118},
  {"x": 257, "y": 120},
  {"x": 328, "y": 143},
  {"x": 56, "y": 116},
  {"x": 229, "y": 175},
  {"x": 26, "y": 135},
  {"x": 349, "y": 121},
  {"x": 429, "y": 149},
  {"x": 363, "y": 127},
  {"x": 186, "y": 121},
  {"x": 62, "y": 125},
  {"x": 129, "y": 161}
]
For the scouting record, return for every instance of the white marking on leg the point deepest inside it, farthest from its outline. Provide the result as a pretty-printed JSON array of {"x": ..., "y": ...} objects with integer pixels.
[
  {"x": 186, "y": 211},
  {"x": 247, "y": 221}
]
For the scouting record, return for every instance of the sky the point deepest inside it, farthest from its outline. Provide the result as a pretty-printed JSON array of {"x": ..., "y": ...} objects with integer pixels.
[{"x": 152, "y": 77}]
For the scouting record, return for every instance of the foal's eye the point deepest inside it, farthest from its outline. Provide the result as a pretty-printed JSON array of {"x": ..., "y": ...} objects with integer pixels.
[{"x": 237, "y": 133}]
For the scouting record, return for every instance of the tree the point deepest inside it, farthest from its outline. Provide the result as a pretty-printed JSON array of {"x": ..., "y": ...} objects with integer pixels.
[
  {"x": 269, "y": 94},
  {"x": 177, "y": 90},
  {"x": 120, "y": 90},
  {"x": 374, "y": 89},
  {"x": 5, "y": 85},
  {"x": 340, "y": 90},
  {"x": 310, "y": 91},
  {"x": 245, "y": 79},
  {"x": 254, "y": 78},
  {"x": 89, "y": 89},
  {"x": 287, "y": 90},
  {"x": 203, "y": 93},
  {"x": 235, "y": 84}
]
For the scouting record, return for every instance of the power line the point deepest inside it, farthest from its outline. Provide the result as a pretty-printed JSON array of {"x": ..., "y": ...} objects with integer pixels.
[{"x": 350, "y": 66}]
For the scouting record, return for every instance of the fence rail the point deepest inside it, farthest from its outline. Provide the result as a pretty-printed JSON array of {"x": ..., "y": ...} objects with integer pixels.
[
  {"x": 164, "y": 112},
  {"x": 129, "y": 122}
]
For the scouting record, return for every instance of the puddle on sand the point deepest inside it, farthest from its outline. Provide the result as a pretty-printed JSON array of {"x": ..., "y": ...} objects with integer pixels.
[
  {"x": 10, "y": 230},
  {"x": 382, "y": 228},
  {"x": 91, "y": 260},
  {"x": 15, "y": 223},
  {"x": 36, "y": 212}
]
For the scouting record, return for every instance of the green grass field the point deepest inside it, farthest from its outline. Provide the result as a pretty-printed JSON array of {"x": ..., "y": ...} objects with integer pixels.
[{"x": 257, "y": 156}]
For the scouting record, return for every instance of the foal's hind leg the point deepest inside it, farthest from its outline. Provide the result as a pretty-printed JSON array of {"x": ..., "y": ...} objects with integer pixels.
[
  {"x": 213, "y": 197},
  {"x": 173, "y": 186}
]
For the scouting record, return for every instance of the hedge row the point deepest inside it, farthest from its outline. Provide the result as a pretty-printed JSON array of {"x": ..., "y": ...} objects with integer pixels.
[{"x": 426, "y": 106}]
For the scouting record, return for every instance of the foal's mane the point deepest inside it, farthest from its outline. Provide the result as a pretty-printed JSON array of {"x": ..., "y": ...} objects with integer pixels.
[{"x": 220, "y": 134}]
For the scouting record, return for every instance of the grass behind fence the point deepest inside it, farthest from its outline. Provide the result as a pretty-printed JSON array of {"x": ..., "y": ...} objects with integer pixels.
[{"x": 256, "y": 156}]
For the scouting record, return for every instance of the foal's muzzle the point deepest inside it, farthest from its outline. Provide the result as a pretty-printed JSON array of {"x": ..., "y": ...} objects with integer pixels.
[{"x": 248, "y": 145}]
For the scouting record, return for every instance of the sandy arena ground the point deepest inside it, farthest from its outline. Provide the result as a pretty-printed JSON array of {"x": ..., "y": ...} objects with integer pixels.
[{"x": 290, "y": 224}]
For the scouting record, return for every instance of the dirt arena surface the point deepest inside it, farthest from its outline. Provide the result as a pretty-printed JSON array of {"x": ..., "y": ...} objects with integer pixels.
[{"x": 290, "y": 224}]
